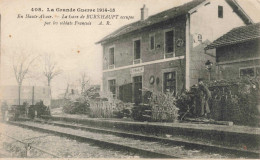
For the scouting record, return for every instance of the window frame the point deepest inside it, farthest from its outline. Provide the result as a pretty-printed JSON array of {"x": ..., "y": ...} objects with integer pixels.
[
  {"x": 220, "y": 11},
  {"x": 253, "y": 67},
  {"x": 136, "y": 61},
  {"x": 108, "y": 86},
  {"x": 132, "y": 81},
  {"x": 173, "y": 53},
  {"x": 256, "y": 70},
  {"x": 114, "y": 58},
  {"x": 150, "y": 45},
  {"x": 164, "y": 80}
]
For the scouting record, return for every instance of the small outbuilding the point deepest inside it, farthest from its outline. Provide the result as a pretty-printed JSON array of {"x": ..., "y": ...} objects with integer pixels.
[{"x": 238, "y": 52}]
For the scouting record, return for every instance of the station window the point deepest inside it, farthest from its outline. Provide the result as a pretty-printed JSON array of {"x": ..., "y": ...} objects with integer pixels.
[
  {"x": 245, "y": 72},
  {"x": 111, "y": 56},
  {"x": 250, "y": 72},
  {"x": 137, "y": 49},
  {"x": 112, "y": 86},
  {"x": 257, "y": 71},
  {"x": 152, "y": 42},
  {"x": 220, "y": 11},
  {"x": 169, "y": 43},
  {"x": 170, "y": 82}
]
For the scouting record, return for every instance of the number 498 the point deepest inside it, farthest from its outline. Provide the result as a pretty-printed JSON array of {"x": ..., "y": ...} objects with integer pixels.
[{"x": 36, "y": 9}]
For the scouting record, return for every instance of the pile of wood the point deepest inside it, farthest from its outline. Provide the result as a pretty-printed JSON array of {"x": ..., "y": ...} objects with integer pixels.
[{"x": 208, "y": 121}]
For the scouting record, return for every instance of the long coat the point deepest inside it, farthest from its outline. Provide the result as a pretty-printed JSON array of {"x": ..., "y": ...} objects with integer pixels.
[{"x": 202, "y": 106}]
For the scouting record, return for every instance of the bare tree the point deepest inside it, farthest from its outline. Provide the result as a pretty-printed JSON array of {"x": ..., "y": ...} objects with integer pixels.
[
  {"x": 66, "y": 91},
  {"x": 67, "y": 78},
  {"x": 21, "y": 69},
  {"x": 50, "y": 70},
  {"x": 84, "y": 82}
]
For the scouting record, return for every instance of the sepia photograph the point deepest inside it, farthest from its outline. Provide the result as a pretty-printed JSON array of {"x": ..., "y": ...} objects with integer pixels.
[{"x": 175, "y": 79}]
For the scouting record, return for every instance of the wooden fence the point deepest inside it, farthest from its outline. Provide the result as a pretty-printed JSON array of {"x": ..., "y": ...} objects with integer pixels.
[{"x": 102, "y": 109}]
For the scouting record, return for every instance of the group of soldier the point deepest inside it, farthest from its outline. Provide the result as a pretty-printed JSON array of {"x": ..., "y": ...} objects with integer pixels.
[{"x": 30, "y": 111}]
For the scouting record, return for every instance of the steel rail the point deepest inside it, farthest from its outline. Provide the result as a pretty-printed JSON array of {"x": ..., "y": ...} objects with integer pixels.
[
  {"x": 120, "y": 147},
  {"x": 187, "y": 144},
  {"x": 35, "y": 137}
]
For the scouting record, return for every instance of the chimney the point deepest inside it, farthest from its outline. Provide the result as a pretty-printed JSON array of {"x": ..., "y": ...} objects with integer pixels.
[{"x": 144, "y": 13}]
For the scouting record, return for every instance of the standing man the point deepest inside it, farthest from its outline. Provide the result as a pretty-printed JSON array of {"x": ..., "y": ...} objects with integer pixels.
[
  {"x": 202, "y": 107},
  {"x": 4, "y": 109}
]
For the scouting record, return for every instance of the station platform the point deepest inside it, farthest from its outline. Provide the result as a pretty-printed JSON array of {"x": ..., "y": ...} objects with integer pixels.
[{"x": 221, "y": 134}]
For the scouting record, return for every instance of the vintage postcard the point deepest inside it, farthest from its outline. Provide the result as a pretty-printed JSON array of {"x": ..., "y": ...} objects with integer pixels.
[{"x": 130, "y": 79}]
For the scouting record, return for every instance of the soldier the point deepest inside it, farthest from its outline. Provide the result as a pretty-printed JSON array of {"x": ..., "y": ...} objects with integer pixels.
[
  {"x": 26, "y": 108},
  {"x": 202, "y": 106},
  {"x": 4, "y": 109}
]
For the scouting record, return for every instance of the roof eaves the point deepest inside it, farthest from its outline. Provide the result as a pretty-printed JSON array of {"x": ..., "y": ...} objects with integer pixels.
[
  {"x": 240, "y": 11},
  {"x": 198, "y": 6},
  {"x": 217, "y": 45},
  {"x": 108, "y": 37}
]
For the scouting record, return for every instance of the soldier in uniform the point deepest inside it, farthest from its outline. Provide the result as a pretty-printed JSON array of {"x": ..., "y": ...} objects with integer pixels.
[
  {"x": 202, "y": 106},
  {"x": 4, "y": 109}
]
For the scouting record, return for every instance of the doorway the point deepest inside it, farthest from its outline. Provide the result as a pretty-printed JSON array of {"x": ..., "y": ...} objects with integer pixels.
[{"x": 137, "y": 87}]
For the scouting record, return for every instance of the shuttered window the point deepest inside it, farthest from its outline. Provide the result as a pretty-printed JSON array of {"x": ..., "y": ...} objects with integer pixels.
[
  {"x": 137, "y": 49},
  {"x": 169, "y": 43},
  {"x": 152, "y": 42}
]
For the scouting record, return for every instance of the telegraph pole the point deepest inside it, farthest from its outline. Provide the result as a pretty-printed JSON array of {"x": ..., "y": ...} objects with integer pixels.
[
  {"x": 0, "y": 49},
  {"x": 0, "y": 58},
  {"x": 33, "y": 95}
]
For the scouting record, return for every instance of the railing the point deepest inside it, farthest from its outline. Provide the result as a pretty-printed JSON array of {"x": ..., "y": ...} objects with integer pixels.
[
  {"x": 29, "y": 146},
  {"x": 137, "y": 61},
  {"x": 169, "y": 55},
  {"x": 112, "y": 66}
]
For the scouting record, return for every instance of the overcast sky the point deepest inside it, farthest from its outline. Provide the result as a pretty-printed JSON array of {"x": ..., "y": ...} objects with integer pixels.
[{"x": 72, "y": 47}]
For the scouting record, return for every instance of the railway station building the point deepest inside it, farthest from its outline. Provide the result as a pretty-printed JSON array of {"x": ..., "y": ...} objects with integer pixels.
[{"x": 165, "y": 52}]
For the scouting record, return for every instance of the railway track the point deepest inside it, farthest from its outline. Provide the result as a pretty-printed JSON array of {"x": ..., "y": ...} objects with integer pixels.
[{"x": 144, "y": 145}]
